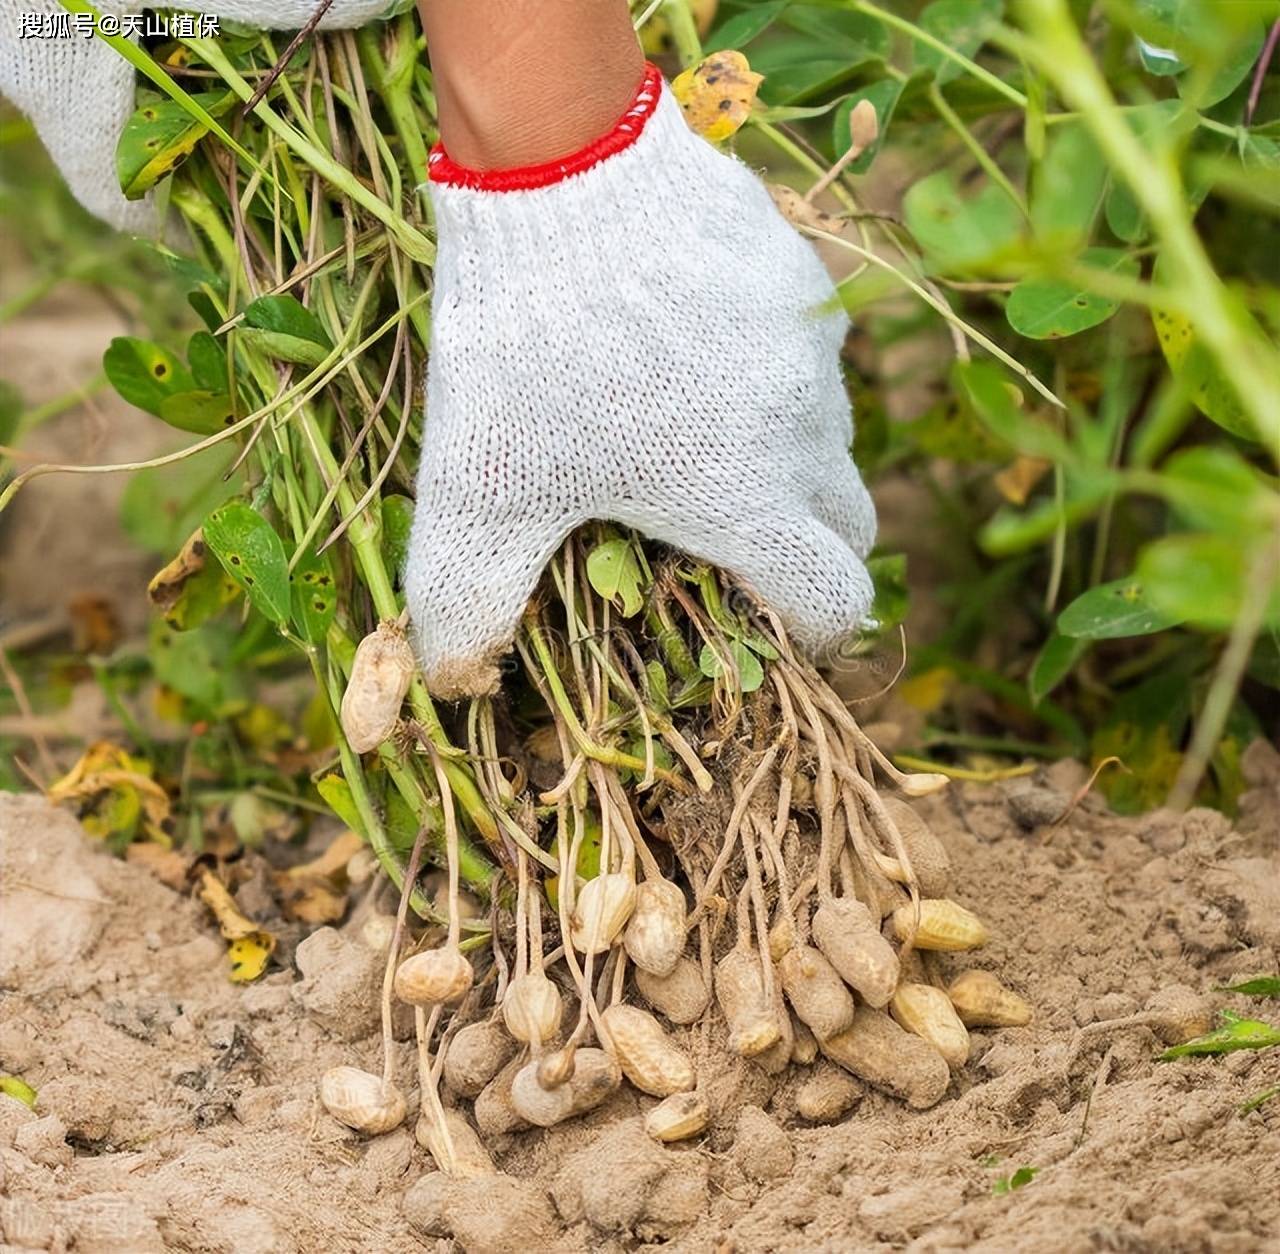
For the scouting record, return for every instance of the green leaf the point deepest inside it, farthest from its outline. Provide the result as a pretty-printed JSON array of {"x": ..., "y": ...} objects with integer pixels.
[
  {"x": 884, "y": 96},
  {"x": 1232, "y": 69},
  {"x": 144, "y": 373},
  {"x": 336, "y": 794},
  {"x": 962, "y": 25},
  {"x": 889, "y": 575},
  {"x": 996, "y": 401},
  {"x": 1263, "y": 986},
  {"x": 253, "y": 555},
  {"x": 159, "y": 137},
  {"x": 196, "y": 664},
  {"x": 1020, "y": 1178},
  {"x": 283, "y": 327},
  {"x": 1112, "y": 611},
  {"x": 1057, "y": 656},
  {"x": 750, "y": 671},
  {"x": 397, "y": 521},
  {"x": 659, "y": 688},
  {"x": 315, "y": 595},
  {"x": 1201, "y": 579},
  {"x": 821, "y": 49},
  {"x": 1215, "y": 489},
  {"x": 740, "y": 29},
  {"x": 11, "y": 407},
  {"x": 1067, "y": 186},
  {"x": 19, "y": 1090},
  {"x": 208, "y": 361},
  {"x": 1235, "y": 1033},
  {"x": 1050, "y": 309},
  {"x": 163, "y": 505},
  {"x": 960, "y": 236},
  {"x": 197, "y": 411},
  {"x": 614, "y": 571}
]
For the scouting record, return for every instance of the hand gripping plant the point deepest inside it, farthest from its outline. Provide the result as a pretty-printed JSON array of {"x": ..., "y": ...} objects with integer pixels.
[{"x": 672, "y": 818}]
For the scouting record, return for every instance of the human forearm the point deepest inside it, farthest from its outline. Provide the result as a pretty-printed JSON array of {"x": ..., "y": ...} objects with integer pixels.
[{"x": 519, "y": 82}]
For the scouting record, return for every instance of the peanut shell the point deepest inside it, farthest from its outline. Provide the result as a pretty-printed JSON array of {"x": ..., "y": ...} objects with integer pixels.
[
  {"x": 944, "y": 925},
  {"x": 475, "y": 1055},
  {"x": 677, "y": 1117},
  {"x": 877, "y": 1050},
  {"x": 361, "y": 1100},
  {"x": 982, "y": 1001},
  {"x": 655, "y": 933},
  {"x": 929, "y": 858},
  {"x": 816, "y": 992},
  {"x": 753, "y": 1024},
  {"x": 380, "y": 676},
  {"x": 848, "y": 936},
  {"x": 648, "y": 1058},
  {"x": 928, "y": 1012}
]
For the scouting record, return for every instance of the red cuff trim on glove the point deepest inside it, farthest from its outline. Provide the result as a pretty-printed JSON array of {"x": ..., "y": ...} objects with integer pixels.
[{"x": 441, "y": 168}]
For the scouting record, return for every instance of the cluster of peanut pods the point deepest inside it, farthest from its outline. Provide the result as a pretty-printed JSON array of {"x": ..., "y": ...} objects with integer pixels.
[{"x": 849, "y": 975}]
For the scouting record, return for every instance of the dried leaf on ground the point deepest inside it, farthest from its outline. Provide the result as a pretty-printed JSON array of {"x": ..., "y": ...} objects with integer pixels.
[{"x": 250, "y": 946}]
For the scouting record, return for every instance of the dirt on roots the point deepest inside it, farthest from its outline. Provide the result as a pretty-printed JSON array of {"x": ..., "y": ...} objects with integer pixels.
[{"x": 179, "y": 1111}]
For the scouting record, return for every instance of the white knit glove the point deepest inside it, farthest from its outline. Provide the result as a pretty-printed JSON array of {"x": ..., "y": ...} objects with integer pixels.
[
  {"x": 632, "y": 333},
  {"x": 79, "y": 92}
]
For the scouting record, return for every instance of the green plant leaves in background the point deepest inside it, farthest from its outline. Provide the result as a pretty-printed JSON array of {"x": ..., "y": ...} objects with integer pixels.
[
  {"x": 814, "y": 49},
  {"x": 1201, "y": 578},
  {"x": 884, "y": 96},
  {"x": 253, "y": 555},
  {"x": 1055, "y": 661},
  {"x": 958, "y": 235},
  {"x": 1111, "y": 611},
  {"x": 163, "y": 505},
  {"x": 740, "y": 29},
  {"x": 1051, "y": 309},
  {"x": 1067, "y": 187},
  {"x": 888, "y": 573},
  {"x": 283, "y": 327},
  {"x": 1263, "y": 986},
  {"x": 963, "y": 25},
  {"x": 397, "y": 521}
]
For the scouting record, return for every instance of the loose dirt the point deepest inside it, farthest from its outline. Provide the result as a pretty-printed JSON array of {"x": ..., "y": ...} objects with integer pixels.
[{"x": 178, "y": 1111}]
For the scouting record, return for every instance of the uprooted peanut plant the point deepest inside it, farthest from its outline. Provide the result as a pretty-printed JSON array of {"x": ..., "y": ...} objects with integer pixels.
[{"x": 667, "y": 814}]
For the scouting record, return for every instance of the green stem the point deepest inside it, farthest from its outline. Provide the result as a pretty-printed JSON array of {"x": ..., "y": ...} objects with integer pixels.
[
  {"x": 979, "y": 153},
  {"x": 414, "y": 243},
  {"x": 684, "y": 31},
  {"x": 932, "y": 41}
]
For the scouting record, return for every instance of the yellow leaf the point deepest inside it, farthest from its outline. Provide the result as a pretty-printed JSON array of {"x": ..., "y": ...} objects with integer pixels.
[
  {"x": 328, "y": 864},
  {"x": 1017, "y": 479},
  {"x": 929, "y": 690},
  {"x": 249, "y": 956},
  {"x": 250, "y": 946},
  {"x": 717, "y": 94}
]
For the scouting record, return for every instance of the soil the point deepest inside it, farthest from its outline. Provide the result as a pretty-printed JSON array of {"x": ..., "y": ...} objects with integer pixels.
[{"x": 178, "y": 1111}]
